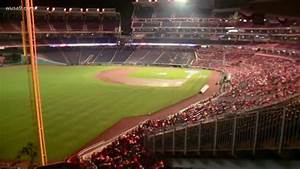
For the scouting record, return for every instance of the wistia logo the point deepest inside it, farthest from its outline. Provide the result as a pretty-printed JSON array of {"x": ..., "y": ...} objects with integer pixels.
[{"x": 14, "y": 8}]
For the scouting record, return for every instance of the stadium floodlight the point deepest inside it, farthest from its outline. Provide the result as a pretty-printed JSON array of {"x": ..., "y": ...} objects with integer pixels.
[
  {"x": 82, "y": 44},
  {"x": 181, "y": 1},
  {"x": 161, "y": 44}
]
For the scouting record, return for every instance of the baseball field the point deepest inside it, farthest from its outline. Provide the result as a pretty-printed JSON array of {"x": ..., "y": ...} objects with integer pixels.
[{"x": 80, "y": 102}]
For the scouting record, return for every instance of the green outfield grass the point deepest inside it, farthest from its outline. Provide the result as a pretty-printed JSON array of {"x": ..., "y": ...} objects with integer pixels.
[{"x": 77, "y": 107}]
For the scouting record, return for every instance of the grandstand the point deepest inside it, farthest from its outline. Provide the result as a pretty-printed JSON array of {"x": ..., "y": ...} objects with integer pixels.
[
  {"x": 62, "y": 20},
  {"x": 175, "y": 22},
  {"x": 123, "y": 55},
  {"x": 251, "y": 111}
]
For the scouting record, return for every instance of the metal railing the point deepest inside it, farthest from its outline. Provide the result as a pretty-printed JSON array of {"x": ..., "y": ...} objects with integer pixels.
[{"x": 275, "y": 128}]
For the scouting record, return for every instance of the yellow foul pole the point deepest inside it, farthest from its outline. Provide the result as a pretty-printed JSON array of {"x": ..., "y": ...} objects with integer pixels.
[{"x": 35, "y": 79}]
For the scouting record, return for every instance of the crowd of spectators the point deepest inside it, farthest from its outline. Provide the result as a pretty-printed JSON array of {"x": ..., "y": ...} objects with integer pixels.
[
  {"x": 125, "y": 152},
  {"x": 254, "y": 81}
]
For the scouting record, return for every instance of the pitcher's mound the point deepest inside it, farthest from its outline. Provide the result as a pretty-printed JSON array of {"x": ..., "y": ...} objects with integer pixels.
[{"x": 121, "y": 76}]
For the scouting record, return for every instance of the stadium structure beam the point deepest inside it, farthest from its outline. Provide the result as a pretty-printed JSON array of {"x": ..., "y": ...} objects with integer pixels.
[
  {"x": 23, "y": 29},
  {"x": 35, "y": 79}
]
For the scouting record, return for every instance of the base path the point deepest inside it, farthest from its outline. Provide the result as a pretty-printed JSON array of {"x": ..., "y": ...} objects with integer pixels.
[
  {"x": 127, "y": 123},
  {"x": 122, "y": 76}
]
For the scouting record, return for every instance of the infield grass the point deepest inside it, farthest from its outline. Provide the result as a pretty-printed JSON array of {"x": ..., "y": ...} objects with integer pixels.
[
  {"x": 76, "y": 106},
  {"x": 160, "y": 73}
]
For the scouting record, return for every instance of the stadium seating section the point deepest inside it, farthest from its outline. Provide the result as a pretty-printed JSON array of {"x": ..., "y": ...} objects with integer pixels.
[
  {"x": 58, "y": 20},
  {"x": 165, "y": 20},
  {"x": 113, "y": 55}
]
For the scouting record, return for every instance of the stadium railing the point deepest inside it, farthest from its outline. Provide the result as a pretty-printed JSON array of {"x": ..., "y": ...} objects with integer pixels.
[{"x": 272, "y": 130}]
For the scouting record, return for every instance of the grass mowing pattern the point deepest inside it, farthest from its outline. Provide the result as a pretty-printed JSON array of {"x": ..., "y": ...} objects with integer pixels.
[
  {"x": 16, "y": 114},
  {"x": 76, "y": 106}
]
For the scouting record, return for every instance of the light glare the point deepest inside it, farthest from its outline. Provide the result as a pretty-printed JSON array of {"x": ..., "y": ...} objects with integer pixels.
[{"x": 181, "y": 1}]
